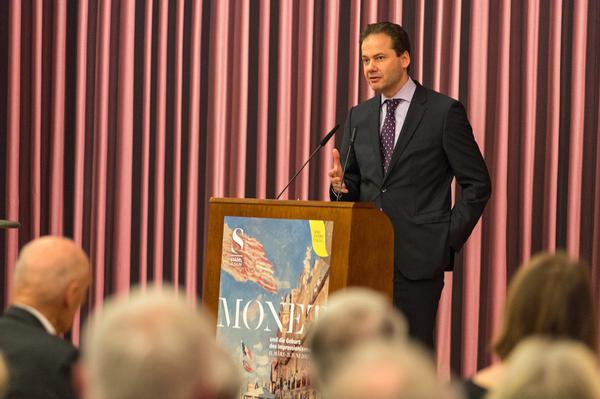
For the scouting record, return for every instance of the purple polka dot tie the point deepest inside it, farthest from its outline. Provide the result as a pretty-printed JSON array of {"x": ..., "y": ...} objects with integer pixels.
[{"x": 388, "y": 133}]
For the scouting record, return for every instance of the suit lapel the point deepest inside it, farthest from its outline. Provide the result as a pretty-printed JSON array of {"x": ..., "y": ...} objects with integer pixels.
[{"x": 413, "y": 118}]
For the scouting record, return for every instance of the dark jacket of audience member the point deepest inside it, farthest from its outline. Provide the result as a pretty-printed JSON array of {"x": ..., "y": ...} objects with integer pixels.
[{"x": 39, "y": 363}]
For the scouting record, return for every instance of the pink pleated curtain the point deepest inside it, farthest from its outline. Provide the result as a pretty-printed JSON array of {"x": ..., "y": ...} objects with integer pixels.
[{"x": 120, "y": 119}]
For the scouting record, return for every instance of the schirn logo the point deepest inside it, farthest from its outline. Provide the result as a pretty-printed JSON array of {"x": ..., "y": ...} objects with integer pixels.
[{"x": 236, "y": 241}]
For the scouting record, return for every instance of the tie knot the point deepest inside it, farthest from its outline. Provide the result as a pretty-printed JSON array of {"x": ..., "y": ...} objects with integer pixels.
[{"x": 392, "y": 104}]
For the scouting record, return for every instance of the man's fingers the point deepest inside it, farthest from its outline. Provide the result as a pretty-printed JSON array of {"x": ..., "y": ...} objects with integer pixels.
[
  {"x": 335, "y": 184},
  {"x": 337, "y": 166},
  {"x": 335, "y": 174},
  {"x": 336, "y": 188}
]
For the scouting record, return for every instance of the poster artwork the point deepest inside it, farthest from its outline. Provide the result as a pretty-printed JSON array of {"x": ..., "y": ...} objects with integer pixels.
[{"x": 274, "y": 282}]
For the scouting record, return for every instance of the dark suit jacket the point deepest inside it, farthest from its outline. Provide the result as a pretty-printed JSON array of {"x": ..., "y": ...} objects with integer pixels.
[
  {"x": 39, "y": 363},
  {"x": 436, "y": 144}
]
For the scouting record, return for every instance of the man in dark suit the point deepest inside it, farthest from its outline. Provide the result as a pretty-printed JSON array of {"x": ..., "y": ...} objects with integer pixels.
[
  {"x": 51, "y": 278},
  {"x": 410, "y": 143}
]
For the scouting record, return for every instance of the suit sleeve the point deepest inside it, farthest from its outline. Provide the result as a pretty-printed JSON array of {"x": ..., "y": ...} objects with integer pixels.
[
  {"x": 352, "y": 176},
  {"x": 471, "y": 174}
]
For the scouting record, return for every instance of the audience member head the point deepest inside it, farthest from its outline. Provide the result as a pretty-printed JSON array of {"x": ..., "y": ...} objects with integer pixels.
[
  {"x": 52, "y": 275},
  {"x": 541, "y": 368},
  {"x": 550, "y": 295},
  {"x": 3, "y": 376},
  {"x": 379, "y": 370},
  {"x": 226, "y": 378},
  {"x": 150, "y": 345},
  {"x": 353, "y": 316}
]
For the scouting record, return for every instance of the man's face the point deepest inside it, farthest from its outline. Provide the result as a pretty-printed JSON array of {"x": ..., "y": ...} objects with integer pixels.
[{"x": 384, "y": 70}]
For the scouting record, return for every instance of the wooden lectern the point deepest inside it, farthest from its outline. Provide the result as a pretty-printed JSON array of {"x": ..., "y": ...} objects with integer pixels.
[{"x": 362, "y": 243}]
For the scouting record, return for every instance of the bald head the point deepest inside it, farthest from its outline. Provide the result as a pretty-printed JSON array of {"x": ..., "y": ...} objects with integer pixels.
[{"x": 52, "y": 275}]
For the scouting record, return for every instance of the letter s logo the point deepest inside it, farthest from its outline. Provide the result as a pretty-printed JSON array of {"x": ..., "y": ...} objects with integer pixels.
[{"x": 235, "y": 236}]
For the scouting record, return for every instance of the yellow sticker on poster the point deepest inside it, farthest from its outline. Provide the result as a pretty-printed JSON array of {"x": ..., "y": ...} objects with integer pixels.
[{"x": 317, "y": 232}]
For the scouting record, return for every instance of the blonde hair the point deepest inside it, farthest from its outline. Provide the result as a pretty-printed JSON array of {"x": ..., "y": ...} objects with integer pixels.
[{"x": 541, "y": 368}]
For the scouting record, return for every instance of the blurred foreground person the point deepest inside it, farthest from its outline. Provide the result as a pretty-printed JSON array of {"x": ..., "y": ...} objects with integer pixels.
[
  {"x": 550, "y": 295},
  {"x": 385, "y": 371},
  {"x": 151, "y": 345},
  {"x": 354, "y": 316},
  {"x": 545, "y": 369},
  {"x": 227, "y": 380},
  {"x": 51, "y": 278}
]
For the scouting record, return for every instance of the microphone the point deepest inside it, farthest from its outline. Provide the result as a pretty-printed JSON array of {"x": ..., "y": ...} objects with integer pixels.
[
  {"x": 321, "y": 145},
  {"x": 9, "y": 224},
  {"x": 352, "y": 138}
]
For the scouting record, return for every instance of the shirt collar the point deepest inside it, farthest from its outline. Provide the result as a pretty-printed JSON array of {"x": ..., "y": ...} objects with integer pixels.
[
  {"x": 405, "y": 93},
  {"x": 38, "y": 315}
]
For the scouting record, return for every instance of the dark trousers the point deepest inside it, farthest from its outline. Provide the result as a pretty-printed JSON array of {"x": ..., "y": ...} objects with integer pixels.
[{"x": 418, "y": 300}]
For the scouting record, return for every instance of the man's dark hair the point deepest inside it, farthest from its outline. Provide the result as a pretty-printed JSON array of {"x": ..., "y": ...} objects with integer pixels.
[{"x": 398, "y": 35}]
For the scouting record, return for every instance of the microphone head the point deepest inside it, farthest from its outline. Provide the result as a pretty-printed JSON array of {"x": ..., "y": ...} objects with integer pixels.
[{"x": 329, "y": 135}]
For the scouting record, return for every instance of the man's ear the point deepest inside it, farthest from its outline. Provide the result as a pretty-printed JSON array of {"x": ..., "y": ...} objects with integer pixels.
[
  {"x": 72, "y": 294},
  {"x": 405, "y": 59}
]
